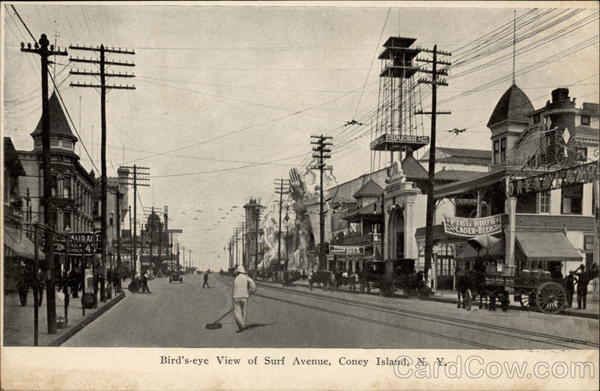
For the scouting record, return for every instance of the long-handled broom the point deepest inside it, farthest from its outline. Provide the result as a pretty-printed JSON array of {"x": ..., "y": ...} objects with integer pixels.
[{"x": 217, "y": 324}]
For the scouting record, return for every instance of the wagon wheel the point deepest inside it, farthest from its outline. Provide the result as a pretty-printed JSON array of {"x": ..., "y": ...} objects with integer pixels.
[
  {"x": 527, "y": 300},
  {"x": 551, "y": 297}
]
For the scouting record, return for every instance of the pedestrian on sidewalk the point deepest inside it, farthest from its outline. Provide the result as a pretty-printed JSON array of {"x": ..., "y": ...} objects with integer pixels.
[
  {"x": 145, "y": 283},
  {"x": 310, "y": 279},
  {"x": 205, "y": 285},
  {"x": 582, "y": 288},
  {"x": 570, "y": 281},
  {"x": 243, "y": 288}
]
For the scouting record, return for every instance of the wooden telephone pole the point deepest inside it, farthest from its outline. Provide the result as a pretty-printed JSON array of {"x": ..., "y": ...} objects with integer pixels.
[
  {"x": 104, "y": 87},
  {"x": 434, "y": 81},
  {"x": 45, "y": 50},
  {"x": 134, "y": 180},
  {"x": 283, "y": 188},
  {"x": 321, "y": 152}
]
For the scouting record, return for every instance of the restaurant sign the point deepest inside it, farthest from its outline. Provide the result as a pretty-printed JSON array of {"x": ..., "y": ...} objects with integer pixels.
[
  {"x": 473, "y": 227},
  {"x": 584, "y": 173},
  {"x": 346, "y": 250}
]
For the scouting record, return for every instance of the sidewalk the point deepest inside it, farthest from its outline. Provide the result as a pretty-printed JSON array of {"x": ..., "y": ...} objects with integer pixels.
[
  {"x": 18, "y": 320},
  {"x": 449, "y": 296}
]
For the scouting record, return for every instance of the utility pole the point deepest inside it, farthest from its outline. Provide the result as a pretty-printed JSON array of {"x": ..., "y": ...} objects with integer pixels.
[
  {"x": 45, "y": 50},
  {"x": 131, "y": 267},
  {"x": 283, "y": 188},
  {"x": 135, "y": 181},
  {"x": 103, "y": 89},
  {"x": 237, "y": 261},
  {"x": 287, "y": 233},
  {"x": 321, "y": 152},
  {"x": 434, "y": 81},
  {"x": 118, "y": 272},
  {"x": 257, "y": 215}
]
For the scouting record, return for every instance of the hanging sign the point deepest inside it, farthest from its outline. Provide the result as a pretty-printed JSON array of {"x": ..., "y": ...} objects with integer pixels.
[
  {"x": 473, "y": 227},
  {"x": 584, "y": 173}
]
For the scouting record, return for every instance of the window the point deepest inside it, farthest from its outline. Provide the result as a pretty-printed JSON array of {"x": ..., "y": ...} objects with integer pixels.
[
  {"x": 54, "y": 185},
  {"x": 544, "y": 202},
  {"x": 527, "y": 203},
  {"x": 54, "y": 142},
  {"x": 67, "y": 144},
  {"x": 67, "y": 187},
  {"x": 536, "y": 118},
  {"x": 496, "y": 152},
  {"x": 571, "y": 199},
  {"x": 67, "y": 221},
  {"x": 502, "y": 150},
  {"x": 585, "y": 119}
]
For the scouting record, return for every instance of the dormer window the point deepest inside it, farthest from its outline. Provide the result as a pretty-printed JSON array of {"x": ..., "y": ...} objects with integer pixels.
[{"x": 585, "y": 120}]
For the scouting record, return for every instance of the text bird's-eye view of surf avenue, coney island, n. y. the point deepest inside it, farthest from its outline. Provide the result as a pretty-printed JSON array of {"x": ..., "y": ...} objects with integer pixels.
[{"x": 293, "y": 176}]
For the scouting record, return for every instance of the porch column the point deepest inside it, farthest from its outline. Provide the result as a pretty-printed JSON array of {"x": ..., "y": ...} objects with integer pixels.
[
  {"x": 511, "y": 207},
  {"x": 409, "y": 231},
  {"x": 478, "y": 202}
]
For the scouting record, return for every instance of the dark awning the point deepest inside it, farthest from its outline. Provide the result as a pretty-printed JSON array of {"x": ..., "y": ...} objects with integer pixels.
[
  {"x": 19, "y": 244},
  {"x": 546, "y": 246},
  {"x": 495, "y": 249}
]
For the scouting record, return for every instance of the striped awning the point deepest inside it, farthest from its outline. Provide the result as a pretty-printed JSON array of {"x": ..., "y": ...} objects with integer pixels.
[
  {"x": 546, "y": 246},
  {"x": 17, "y": 244}
]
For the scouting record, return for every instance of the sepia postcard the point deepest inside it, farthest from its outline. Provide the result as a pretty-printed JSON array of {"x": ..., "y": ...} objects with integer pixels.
[{"x": 341, "y": 195}]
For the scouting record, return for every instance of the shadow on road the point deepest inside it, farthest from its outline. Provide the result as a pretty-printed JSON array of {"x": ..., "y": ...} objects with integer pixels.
[{"x": 254, "y": 325}]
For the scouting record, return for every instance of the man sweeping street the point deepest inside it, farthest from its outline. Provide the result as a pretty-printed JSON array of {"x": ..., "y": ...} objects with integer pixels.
[{"x": 243, "y": 288}]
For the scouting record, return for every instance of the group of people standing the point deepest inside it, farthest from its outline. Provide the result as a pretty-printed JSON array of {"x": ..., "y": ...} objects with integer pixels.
[{"x": 581, "y": 278}]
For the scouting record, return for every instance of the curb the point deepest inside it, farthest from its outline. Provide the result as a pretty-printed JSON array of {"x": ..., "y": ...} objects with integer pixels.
[
  {"x": 87, "y": 320},
  {"x": 518, "y": 307}
]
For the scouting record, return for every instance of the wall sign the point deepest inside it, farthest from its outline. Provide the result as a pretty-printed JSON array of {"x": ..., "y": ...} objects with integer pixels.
[
  {"x": 346, "y": 250},
  {"x": 473, "y": 227},
  {"x": 584, "y": 173}
]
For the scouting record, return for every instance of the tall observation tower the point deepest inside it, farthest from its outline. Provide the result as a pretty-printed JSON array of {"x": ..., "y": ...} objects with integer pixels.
[{"x": 395, "y": 127}]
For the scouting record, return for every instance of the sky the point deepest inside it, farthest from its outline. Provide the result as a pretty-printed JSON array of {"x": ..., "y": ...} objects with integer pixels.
[{"x": 227, "y": 96}]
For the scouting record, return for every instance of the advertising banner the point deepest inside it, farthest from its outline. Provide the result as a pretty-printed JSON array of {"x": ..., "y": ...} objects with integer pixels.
[{"x": 474, "y": 226}]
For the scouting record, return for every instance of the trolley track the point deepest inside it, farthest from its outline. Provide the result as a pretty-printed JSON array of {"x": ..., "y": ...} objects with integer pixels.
[{"x": 479, "y": 327}]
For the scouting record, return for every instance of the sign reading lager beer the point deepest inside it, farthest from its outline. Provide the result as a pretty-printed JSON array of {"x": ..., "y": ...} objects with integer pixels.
[
  {"x": 346, "y": 250},
  {"x": 473, "y": 227}
]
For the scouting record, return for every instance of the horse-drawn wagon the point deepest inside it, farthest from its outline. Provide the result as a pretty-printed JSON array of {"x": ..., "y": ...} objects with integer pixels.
[{"x": 533, "y": 289}]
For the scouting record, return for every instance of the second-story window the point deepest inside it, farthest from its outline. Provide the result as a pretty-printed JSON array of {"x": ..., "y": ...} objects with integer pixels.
[
  {"x": 502, "y": 150},
  {"x": 585, "y": 119},
  {"x": 496, "y": 159}
]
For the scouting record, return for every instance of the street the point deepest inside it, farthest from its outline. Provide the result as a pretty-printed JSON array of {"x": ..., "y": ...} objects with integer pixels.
[{"x": 174, "y": 315}]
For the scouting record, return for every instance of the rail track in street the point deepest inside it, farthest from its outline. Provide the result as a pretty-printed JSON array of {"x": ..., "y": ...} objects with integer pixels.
[{"x": 477, "y": 328}]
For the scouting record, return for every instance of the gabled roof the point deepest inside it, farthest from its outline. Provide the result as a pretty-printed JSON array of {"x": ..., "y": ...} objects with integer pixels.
[
  {"x": 59, "y": 126},
  {"x": 455, "y": 175},
  {"x": 514, "y": 105},
  {"x": 460, "y": 155},
  {"x": 413, "y": 170},
  {"x": 11, "y": 158},
  {"x": 369, "y": 189}
]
